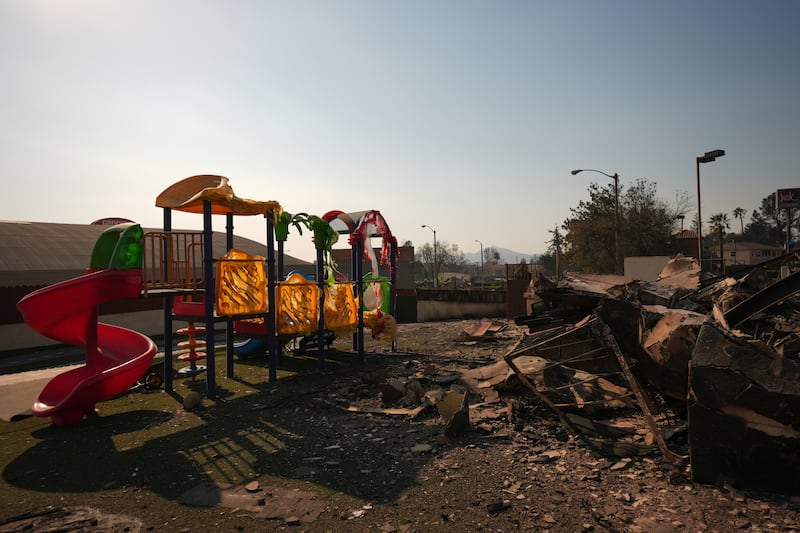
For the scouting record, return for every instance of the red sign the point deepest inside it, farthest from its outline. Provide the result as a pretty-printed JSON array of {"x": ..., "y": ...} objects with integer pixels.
[{"x": 787, "y": 198}]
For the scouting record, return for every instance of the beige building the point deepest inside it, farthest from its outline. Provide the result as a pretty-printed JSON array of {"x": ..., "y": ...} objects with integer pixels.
[{"x": 748, "y": 253}]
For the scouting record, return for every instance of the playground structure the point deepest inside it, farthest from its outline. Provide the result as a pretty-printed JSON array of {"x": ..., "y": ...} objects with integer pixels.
[
  {"x": 242, "y": 293},
  {"x": 245, "y": 294}
]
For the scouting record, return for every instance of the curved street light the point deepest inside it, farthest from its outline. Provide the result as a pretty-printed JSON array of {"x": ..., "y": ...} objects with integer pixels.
[
  {"x": 435, "y": 258},
  {"x": 614, "y": 177},
  {"x": 707, "y": 157}
]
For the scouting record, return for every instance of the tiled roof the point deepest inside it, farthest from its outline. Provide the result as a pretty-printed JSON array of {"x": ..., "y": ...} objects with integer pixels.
[{"x": 686, "y": 234}]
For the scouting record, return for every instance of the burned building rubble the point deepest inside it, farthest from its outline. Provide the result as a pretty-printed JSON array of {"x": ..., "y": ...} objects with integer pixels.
[{"x": 717, "y": 356}]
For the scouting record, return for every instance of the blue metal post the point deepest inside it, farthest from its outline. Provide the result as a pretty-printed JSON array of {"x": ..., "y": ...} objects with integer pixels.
[
  {"x": 208, "y": 275},
  {"x": 360, "y": 285},
  {"x": 272, "y": 337},
  {"x": 168, "y": 370},
  {"x": 321, "y": 303},
  {"x": 280, "y": 260},
  {"x": 229, "y": 321},
  {"x": 355, "y": 257},
  {"x": 393, "y": 283}
]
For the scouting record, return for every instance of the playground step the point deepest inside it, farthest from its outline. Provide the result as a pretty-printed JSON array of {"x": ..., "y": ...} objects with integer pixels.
[
  {"x": 191, "y": 356},
  {"x": 191, "y": 343},
  {"x": 191, "y": 330}
]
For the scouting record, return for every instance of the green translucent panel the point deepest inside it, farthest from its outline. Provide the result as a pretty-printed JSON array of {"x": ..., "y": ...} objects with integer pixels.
[{"x": 118, "y": 248}]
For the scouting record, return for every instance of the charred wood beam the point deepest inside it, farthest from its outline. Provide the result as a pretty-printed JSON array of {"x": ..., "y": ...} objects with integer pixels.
[
  {"x": 771, "y": 263},
  {"x": 764, "y": 299},
  {"x": 579, "y": 358},
  {"x": 608, "y": 340},
  {"x": 568, "y": 421}
]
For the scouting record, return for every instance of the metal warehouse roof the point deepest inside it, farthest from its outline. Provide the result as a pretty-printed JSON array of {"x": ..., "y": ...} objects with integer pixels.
[{"x": 42, "y": 253}]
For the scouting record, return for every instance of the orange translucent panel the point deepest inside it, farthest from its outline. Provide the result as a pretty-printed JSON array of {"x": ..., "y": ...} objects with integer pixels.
[
  {"x": 341, "y": 311},
  {"x": 298, "y": 305},
  {"x": 241, "y": 284},
  {"x": 383, "y": 327}
]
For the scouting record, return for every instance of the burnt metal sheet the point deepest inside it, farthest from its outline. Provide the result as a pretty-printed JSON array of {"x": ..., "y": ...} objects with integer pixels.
[{"x": 764, "y": 299}]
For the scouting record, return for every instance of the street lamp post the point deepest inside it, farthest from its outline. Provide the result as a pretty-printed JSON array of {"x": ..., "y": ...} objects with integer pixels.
[
  {"x": 435, "y": 258},
  {"x": 614, "y": 177},
  {"x": 479, "y": 242},
  {"x": 708, "y": 157}
]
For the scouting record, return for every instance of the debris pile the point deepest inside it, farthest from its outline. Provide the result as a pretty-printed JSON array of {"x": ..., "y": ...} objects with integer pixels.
[
  {"x": 647, "y": 360},
  {"x": 465, "y": 398},
  {"x": 703, "y": 372}
]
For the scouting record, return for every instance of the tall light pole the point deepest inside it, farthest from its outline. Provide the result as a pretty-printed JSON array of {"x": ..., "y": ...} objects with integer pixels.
[
  {"x": 435, "y": 258},
  {"x": 479, "y": 242},
  {"x": 708, "y": 157},
  {"x": 614, "y": 177}
]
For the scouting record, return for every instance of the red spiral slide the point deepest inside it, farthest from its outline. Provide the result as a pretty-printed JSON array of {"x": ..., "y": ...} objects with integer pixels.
[{"x": 116, "y": 357}]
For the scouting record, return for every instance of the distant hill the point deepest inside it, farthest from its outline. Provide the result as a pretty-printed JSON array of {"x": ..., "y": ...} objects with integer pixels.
[{"x": 506, "y": 256}]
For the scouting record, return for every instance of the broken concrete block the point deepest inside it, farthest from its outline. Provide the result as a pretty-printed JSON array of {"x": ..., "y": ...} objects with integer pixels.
[
  {"x": 413, "y": 393},
  {"x": 392, "y": 390}
]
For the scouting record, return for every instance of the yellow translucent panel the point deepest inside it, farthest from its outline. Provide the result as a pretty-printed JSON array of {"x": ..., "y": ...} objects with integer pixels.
[
  {"x": 298, "y": 306},
  {"x": 341, "y": 311},
  {"x": 241, "y": 284}
]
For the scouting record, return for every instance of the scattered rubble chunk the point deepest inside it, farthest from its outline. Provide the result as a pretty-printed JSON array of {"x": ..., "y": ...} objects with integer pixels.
[
  {"x": 485, "y": 329},
  {"x": 454, "y": 410},
  {"x": 498, "y": 506},
  {"x": 289, "y": 505},
  {"x": 392, "y": 390},
  {"x": 71, "y": 519},
  {"x": 421, "y": 448}
]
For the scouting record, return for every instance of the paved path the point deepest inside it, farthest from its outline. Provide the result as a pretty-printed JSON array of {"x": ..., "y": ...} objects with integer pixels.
[{"x": 19, "y": 391}]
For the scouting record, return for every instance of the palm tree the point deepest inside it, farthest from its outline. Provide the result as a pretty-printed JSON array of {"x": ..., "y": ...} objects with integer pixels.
[
  {"x": 719, "y": 223},
  {"x": 740, "y": 213}
]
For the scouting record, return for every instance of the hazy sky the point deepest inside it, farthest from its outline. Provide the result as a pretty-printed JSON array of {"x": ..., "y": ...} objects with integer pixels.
[{"x": 463, "y": 115}]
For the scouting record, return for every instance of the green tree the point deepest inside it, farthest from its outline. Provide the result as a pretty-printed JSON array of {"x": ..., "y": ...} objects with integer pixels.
[
  {"x": 719, "y": 223},
  {"x": 645, "y": 226},
  {"x": 767, "y": 225},
  {"x": 447, "y": 257},
  {"x": 425, "y": 257},
  {"x": 589, "y": 232},
  {"x": 452, "y": 257},
  {"x": 491, "y": 255},
  {"x": 648, "y": 221},
  {"x": 554, "y": 248}
]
